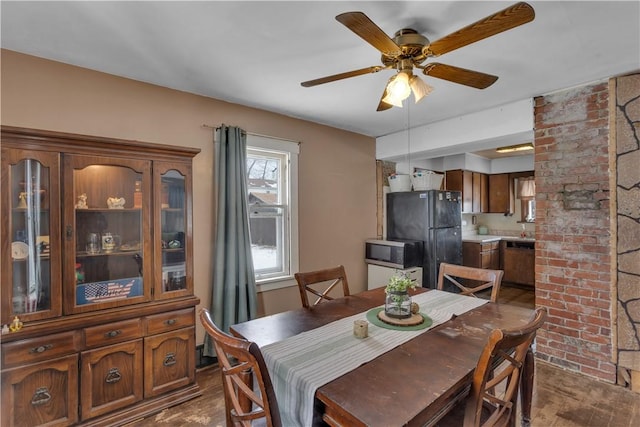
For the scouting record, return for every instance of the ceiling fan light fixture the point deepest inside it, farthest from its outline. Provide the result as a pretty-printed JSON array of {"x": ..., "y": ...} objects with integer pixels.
[
  {"x": 419, "y": 87},
  {"x": 519, "y": 147},
  {"x": 392, "y": 101},
  {"x": 398, "y": 89}
]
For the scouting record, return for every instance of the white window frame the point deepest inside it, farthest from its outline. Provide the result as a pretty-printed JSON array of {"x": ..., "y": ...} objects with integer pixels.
[{"x": 292, "y": 149}]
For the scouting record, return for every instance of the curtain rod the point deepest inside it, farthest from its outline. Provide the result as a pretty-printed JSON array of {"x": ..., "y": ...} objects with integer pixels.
[{"x": 256, "y": 134}]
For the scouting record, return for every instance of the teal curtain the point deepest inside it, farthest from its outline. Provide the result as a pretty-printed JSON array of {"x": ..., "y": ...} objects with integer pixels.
[{"x": 234, "y": 297}]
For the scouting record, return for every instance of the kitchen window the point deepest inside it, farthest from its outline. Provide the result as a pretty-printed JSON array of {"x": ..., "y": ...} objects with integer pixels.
[
  {"x": 527, "y": 195},
  {"x": 272, "y": 195}
]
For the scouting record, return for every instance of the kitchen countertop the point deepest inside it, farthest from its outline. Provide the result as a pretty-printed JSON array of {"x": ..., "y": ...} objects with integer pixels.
[{"x": 486, "y": 238}]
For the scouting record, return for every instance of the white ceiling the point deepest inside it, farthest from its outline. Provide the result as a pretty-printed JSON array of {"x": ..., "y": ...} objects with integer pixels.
[{"x": 257, "y": 53}]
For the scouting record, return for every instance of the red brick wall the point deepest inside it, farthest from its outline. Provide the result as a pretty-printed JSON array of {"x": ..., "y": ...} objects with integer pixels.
[{"x": 573, "y": 261}]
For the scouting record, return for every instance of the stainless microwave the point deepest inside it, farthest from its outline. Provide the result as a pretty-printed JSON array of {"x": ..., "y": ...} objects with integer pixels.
[{"x": 394, "y": 253}]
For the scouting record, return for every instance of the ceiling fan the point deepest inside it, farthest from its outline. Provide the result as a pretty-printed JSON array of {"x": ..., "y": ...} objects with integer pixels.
[{"x": 408, "y": 50}]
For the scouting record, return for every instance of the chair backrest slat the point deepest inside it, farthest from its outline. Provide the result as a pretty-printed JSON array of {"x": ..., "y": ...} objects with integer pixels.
[
  {"x": 470, "y": 280},
  {"x": 309, "y": 283}
]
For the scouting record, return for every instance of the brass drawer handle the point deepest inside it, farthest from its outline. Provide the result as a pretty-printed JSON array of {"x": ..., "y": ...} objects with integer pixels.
[
  {"x": 169, "y": 359},
  {"x": 112, "y": 334},
  {"x": 170, "y": 322},
  {"x": 113, "y": 376},
  {"x": 41, "y": 396},
  {"x": 41, "y": 348}
]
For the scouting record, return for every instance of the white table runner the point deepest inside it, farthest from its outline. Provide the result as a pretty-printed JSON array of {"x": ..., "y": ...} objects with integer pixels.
[{"x": 300, "y": 364}]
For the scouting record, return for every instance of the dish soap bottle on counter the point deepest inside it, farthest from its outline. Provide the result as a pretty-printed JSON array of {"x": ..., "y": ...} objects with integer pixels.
[{"x": 524, "y": 232}]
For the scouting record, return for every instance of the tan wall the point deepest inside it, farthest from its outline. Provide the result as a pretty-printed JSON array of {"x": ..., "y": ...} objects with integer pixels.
[{"x": 337, "y": 192}]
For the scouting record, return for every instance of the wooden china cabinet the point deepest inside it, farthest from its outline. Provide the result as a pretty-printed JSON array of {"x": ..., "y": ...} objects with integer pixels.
[{"x": 96, "y": 266}]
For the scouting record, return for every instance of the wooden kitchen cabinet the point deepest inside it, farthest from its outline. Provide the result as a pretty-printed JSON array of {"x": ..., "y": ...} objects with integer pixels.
[
  {"x": 474, "y": 189},
  {"x": 96, "y": 262},
  {"x": 501, "y": 194},
  {"x": 455, "y": 181},
  {"x": 518, "y": 262},
  {"x": 480, "y": 192},
  {"x": 481, "y": 255}
]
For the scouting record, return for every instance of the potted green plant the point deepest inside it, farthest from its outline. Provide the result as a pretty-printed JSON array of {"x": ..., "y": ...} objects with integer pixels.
[{"x": 398, "y": 301}]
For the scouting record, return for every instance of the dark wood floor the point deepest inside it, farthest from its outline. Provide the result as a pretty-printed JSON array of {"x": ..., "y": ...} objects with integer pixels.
[
  {"x": 561, "y": 398},
  {"x": 517, "y": 295}
]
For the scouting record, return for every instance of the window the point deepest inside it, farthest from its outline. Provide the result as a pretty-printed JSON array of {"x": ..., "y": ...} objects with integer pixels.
[
  {"x": 527, "y": 194},
  {"x": 272, "y": 188}
]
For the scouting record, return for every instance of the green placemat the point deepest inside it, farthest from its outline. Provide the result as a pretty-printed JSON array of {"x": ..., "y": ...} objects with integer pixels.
[{"x": 372, "y": 316}]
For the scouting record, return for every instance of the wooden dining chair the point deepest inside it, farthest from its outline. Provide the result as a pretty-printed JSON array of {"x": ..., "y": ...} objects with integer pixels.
[
  {"x": 242, "y": 365},
  {"x": 493, "y": 397},
  {"x": 470, "y": 280},
  {"x": 315, "y": 281}
]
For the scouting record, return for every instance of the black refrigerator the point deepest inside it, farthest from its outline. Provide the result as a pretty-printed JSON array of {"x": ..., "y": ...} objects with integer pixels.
[{"x": 431, "y": 216}]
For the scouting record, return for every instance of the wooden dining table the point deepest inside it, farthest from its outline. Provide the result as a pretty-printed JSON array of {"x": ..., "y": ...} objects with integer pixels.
[{"x": 415, "y": 383}]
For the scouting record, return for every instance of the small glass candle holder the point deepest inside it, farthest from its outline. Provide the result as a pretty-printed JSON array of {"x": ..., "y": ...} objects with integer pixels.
[{"x": 360, "y": 328}]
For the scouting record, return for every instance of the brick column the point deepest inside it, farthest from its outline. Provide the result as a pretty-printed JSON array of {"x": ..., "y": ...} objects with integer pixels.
[{"x": 573, "y": 262}]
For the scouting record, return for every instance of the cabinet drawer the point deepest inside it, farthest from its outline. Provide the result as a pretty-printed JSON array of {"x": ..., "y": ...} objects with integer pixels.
[
  {"x": 491, "y": 246},
  {"x": 41, "y": 348},
  {"x": 170, "y": 321},
  {"x": 112, "y": 333}
]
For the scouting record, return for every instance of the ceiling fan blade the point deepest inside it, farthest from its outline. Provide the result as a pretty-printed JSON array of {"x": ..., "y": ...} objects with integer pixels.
[
  {"x": 459, "y": 75},
  {"x": 341, "y": 76},
  {"x": 511, "y": 17},
  {"x": 360, "y": 24}
]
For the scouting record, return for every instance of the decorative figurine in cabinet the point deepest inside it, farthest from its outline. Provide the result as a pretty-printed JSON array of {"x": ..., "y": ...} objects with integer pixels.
[{"x": 96, "y": 264}]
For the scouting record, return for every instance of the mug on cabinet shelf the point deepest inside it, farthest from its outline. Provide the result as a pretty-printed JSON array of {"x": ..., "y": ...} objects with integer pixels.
[{"x": 110, "y": 242}]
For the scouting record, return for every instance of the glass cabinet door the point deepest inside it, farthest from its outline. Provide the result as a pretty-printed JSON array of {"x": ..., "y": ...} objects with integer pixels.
[
  {"x": 107, "y": 229},
  {"x": 31, "y": 237},
  {"x": 173, "y": 239}
]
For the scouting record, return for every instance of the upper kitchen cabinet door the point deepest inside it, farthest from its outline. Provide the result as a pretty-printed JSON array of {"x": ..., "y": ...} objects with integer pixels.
[
  {"x": 474, "y": 187},
  {"x": 480, "y": 192},
  {"x": 172, "y": 236},
  {"x": 501, "y": 196},
  {"x": 461, "y": 180},
  {"x": 107, "y": 232},
  {"x": 30, "y": 261}
]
